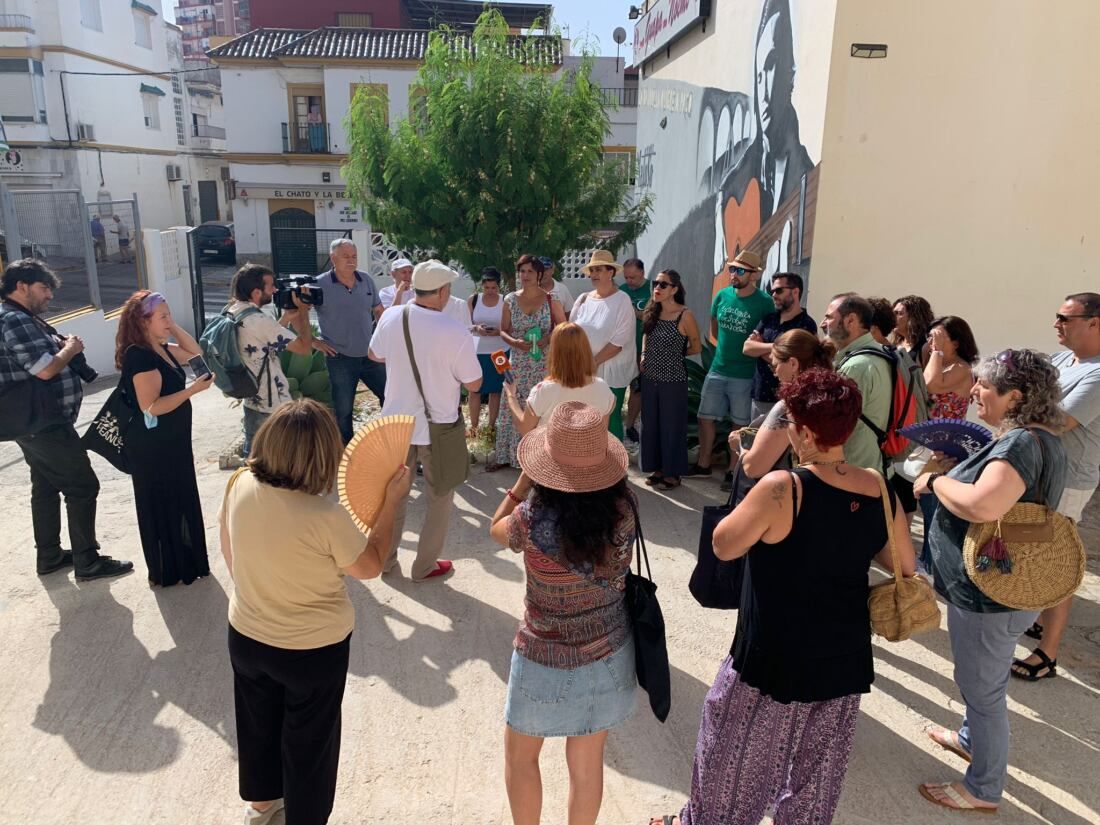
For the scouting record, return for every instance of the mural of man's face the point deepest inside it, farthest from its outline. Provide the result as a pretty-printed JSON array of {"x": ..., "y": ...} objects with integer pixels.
[{"x": 772, "y": 79}]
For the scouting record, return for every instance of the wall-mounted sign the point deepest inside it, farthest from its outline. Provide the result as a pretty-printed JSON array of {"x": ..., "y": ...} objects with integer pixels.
[
  {"x": 665, "y": 21},
  {"x": 313, "y": 193},
  {"x": 11, "y": 161}
]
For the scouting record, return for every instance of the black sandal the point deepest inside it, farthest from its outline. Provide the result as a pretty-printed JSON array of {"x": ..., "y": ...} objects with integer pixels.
[
  {"x": 652, "y": 479},
  {"x": 1032, "y": 675},
  {"x": 1035, "y": 632},
  {"x": 667, "y": 483}
]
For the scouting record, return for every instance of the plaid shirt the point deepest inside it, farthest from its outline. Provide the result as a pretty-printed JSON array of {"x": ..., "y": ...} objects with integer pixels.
[{"x": 26, "y": 349}]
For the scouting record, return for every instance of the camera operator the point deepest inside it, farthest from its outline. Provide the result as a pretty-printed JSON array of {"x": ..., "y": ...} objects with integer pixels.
[
  {"x": 347, "y": 316},
  {"x": 261, "y": 337},
  {"x": 31, "y": 350}
]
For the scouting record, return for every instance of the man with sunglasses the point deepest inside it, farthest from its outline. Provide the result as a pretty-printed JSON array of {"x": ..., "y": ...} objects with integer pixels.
[
  {"x": 786, "y": 291},
  {"x": 1077, "y": 324},
  {"x": 727, "y": 389}
]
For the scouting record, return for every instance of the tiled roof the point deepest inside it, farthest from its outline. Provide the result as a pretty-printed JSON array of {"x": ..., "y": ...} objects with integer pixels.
[{"x": 333, "y": 43}]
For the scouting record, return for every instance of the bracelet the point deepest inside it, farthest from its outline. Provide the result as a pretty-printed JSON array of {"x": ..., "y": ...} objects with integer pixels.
[{"x": 514, "y": 497}]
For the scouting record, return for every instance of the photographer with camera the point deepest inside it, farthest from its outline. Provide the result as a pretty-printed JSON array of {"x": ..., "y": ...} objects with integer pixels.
[
  {"x": 40, "y": 395},
  {"x": 347, "y": 316},
  {"x": 260, "y": 339}
]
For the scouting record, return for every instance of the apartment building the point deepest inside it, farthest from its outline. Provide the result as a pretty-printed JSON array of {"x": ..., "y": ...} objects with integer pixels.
[
  {"x": 202, "y": 20},
  {"x": 93, "y": 97}
]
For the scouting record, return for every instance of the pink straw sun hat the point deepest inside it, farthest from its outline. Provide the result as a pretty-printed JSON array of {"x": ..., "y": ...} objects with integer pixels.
[{"x": 574, "y": 452}]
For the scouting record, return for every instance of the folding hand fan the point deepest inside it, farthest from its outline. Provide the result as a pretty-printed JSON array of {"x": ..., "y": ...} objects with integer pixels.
[
  {"x": 951, "y": 436},
  {"x": 369, "y": 462}
]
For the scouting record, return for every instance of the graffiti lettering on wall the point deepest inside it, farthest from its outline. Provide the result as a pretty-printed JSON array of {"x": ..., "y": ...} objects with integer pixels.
[
  {"x": 755, "y": 182},
  {"x": 668, "y": 100},
  {"x": 645, "y": 167}
]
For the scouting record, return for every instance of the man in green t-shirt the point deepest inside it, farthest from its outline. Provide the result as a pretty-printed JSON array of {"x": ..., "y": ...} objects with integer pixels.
[
  {"x": 638, "y": 288},
  {"x": 727, "y": 389}
]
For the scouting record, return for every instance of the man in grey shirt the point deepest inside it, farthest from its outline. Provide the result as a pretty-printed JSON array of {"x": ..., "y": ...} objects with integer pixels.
[
  {"x": 351, "y": 306},
  {"x": 1077, "y": 323}
]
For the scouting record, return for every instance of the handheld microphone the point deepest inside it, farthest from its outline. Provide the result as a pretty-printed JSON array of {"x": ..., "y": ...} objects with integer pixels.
[{"x": 503, "y": 365}]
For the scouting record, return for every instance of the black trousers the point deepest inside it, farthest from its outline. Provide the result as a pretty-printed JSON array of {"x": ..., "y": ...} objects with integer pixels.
[
  {"x": 664, "y": 427},
  {"x": 59, "y": 466},
  {"x": 288, "y": 724}
]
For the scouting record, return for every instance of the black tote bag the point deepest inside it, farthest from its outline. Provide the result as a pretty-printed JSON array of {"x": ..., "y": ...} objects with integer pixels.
[
  {"x": 715, "y": 583},
  {"x": 648, "y": 623},
  {"x": 104, "y": 435}
]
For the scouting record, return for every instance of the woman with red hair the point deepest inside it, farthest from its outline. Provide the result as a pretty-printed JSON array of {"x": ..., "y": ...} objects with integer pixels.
[
  {"x": 779, "y": 720},
  {"x": 158, "y": 440}
]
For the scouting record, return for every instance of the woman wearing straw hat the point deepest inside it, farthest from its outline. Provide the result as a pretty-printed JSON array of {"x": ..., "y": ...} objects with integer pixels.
[
  {"x": 1017, "y": 394},
  {"x": 607, "y": 316},
  {"x": 572, "y": 673}
]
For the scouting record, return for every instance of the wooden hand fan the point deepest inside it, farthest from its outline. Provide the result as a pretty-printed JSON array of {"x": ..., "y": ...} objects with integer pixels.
[{"x": 369, "y": 462}]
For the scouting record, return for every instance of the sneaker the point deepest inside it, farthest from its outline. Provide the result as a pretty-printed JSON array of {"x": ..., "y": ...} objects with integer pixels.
[
  {"x": 632, "y": 434},
  {"x": 727, "y": 483},
  {"x": 254, "y": 817},
  {"x": 63, "y": 561},
  {"x": 104, "y": 568},
  {"x": 696, "y": 470}
]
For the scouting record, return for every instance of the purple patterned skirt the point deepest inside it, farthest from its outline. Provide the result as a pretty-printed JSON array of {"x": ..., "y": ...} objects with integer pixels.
[{"x": 756, "y": 756}]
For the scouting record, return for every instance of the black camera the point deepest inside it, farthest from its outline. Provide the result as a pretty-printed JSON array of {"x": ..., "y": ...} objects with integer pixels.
[
  {"x": 79, "y": 364},
  {"x": 300, "y": 285}
]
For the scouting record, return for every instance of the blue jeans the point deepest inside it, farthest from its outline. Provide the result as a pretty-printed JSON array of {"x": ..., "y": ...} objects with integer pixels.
[
  {"x": 982, "y": 645},
  {"x": 253, "y": 419},
  {"x": 344, "y": 374},
  {"x": 724, "y": 397}
]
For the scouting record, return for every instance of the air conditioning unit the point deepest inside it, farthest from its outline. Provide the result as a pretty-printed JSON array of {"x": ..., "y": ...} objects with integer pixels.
[
  {"x": 85, "y": 131},
  {"x": 174, "y": 172}
]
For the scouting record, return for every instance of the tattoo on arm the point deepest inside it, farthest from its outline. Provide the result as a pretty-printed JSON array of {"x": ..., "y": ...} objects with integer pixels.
[
  {"x": 777, "y": 423},
  {"x": 779, "y": 493}
]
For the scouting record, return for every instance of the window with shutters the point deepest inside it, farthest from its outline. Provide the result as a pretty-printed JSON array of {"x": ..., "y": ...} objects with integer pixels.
[
  {"x": 355, "y": 20},
  {"x": 143, "y": 30},
  {"x": 151, "y": 105},
  {"x": 90, "y": 16},
  {"x": 181, "y": 136}
]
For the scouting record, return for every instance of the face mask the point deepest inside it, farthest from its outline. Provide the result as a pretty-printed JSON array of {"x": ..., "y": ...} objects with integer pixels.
[{"x": 150, "y": 420}]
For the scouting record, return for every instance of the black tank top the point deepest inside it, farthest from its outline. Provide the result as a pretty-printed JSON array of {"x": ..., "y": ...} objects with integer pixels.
[{"x": 803, "y": 630}]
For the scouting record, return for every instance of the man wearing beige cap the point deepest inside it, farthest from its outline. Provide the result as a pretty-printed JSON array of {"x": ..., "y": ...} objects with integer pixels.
[
  {"x": 445, "y": 362},
  {"x": 400, "y": 291}
]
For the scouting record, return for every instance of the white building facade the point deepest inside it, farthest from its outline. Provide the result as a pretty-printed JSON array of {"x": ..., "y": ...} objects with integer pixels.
[{"x": 92, "y": 99}]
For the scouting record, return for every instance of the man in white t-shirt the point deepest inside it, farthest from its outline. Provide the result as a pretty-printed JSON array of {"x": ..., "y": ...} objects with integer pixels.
[
  {"x": 555, "y": 287},
  {"x": 446, "y": 360},
  {"x": 400, "y": 292},
  {"x": 260, "y": 337}
]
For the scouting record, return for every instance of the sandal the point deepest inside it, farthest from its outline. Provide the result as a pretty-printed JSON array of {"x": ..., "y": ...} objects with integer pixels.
[
  {"x": 953, "y": 801},
  {"x": 949, "y": 741},
  {"x": 668, "y": 483},
  {"x": 1033, "y": 675},
  {"x": 1035, "y": 632},
  {"x": 653, "y": 479},
  {"x": 667, "y": 819}
]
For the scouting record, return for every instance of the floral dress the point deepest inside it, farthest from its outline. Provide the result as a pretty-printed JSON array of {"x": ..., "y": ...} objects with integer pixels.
[{"x": 528, "y": 368}]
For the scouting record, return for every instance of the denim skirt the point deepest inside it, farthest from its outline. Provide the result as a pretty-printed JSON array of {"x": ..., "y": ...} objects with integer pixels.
[{"x": 548, "y": 701}]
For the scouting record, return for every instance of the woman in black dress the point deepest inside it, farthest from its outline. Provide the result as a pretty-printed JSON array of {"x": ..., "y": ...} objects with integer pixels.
[{"x": 158, "y": 439}]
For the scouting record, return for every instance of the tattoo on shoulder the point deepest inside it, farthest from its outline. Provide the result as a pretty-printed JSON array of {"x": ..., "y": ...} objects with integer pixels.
[
  {"x": 779, "y": 493},
  {"x": 776, "y": 423}
]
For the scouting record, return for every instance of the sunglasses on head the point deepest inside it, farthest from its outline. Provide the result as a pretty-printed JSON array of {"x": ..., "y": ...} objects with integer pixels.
[
  {"x": 662, "y": 284},
  {"x": 1007, "y": 357},
  {"x": 1059, "y": 318}
]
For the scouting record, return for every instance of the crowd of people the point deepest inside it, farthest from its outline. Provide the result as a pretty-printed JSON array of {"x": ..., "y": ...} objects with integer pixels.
[{"x": 817, "y": 499}]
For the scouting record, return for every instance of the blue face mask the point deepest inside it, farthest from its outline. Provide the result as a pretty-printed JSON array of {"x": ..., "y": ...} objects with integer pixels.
[{"x": 150, "y": 420}]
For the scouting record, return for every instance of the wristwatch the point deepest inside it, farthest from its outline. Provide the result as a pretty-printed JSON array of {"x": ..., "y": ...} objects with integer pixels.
[{"x": 932, "y": 480}]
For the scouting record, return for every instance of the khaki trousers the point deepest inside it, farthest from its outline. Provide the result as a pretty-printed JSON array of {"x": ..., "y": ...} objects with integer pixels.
[{"x": 437, "y": 518}]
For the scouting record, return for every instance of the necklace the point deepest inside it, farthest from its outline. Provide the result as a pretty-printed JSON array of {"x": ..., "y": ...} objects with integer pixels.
[{"x": 823, "y": 463}]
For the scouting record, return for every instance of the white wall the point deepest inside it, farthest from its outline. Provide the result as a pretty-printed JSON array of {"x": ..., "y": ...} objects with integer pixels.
[
  {"x": 963, "y": 166},
  {"x": 338, "y": 96},
  {"x": 257, "y": 105}
]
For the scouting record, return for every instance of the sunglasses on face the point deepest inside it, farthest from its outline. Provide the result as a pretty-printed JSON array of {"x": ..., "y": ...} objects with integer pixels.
[
  {"x": 737, "y": 270},
  {"x": 1059, "y": 318},
  {"x": 662, "y": 284},
  {"x": 777, "y": 290},
  {"x": 786, "y": 420}
]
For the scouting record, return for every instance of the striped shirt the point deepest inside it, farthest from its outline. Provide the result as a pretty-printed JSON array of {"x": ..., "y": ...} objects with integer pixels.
[{"x": 27, "y": 348}]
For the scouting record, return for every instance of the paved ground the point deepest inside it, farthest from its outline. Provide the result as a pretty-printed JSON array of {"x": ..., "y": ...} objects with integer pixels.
[{"x": 116, "y": 703}]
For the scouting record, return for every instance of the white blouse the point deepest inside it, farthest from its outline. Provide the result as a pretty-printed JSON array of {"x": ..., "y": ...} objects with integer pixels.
[{"x": 610, "y": 320}]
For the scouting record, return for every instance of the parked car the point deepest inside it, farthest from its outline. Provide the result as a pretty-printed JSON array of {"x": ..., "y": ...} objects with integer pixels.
[
  {"x": 215, "y": 239},
  {"x": 29, "y": 249}
]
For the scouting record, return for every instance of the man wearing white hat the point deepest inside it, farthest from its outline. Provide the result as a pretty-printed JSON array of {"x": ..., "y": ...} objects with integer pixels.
[
  {"x": 445, "y": 362},
  {"x": 400, "y": 292}
]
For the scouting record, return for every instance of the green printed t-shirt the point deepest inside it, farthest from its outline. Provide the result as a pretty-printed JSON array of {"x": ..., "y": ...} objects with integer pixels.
[
  {"x": 737, "y": 317},
  {"x": 639, "y": 298}
]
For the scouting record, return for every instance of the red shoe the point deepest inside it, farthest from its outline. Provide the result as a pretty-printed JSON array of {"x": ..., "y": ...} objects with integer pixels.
[{"x": 442, "y": 568}]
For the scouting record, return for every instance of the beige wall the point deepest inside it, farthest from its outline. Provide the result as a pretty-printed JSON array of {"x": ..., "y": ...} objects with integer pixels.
[{"x": 964, "y": 166}]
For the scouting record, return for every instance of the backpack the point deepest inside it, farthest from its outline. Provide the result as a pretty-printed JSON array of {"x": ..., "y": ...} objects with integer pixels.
[
  {"x": 908, "y": 402},
  {"x": 222, "y": 353}
]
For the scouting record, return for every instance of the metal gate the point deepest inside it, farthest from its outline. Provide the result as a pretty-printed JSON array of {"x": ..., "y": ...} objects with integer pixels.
[
  {"x": 118, "y": 251},
  {"x": 294, "y": 242}
]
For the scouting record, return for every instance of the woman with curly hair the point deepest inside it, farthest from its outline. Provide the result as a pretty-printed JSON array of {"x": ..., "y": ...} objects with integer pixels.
[
  {"x": 1016, "y": 394},
  {"x": 288, "y": 547},
  {"x": 780, "y": 718},
  {"x": 157, "y": 441},
  {"x": 572, "y": 674},
  {"x": 913, "y": 317}
]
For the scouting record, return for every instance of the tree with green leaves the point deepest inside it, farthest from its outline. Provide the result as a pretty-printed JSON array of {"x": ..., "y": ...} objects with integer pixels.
[{"x": 500, "y": 156}]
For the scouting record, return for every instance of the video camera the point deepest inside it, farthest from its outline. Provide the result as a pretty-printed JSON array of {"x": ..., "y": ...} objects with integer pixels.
[{"x": 300, "y": 285}]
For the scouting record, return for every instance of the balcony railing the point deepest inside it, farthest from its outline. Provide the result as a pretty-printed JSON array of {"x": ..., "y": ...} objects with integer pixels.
[
  {"x": 624, "y": 98},
  {"x": 16, "y": 21},
  {"x": 306, "y": 138},
  {"x": 204, "y": 130}
]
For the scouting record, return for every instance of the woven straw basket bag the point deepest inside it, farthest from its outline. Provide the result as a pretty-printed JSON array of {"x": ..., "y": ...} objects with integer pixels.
[
  {"x": 903, "y": 606},
  {"x": 1031, "y": 559}
]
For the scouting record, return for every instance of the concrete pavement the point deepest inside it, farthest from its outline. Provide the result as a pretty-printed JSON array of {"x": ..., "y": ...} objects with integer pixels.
[{"x": 116, "y": 700}]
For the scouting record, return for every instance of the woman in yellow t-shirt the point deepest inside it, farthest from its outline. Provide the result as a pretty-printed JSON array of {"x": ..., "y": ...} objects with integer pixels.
[{"x": 288, "y": 548}]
